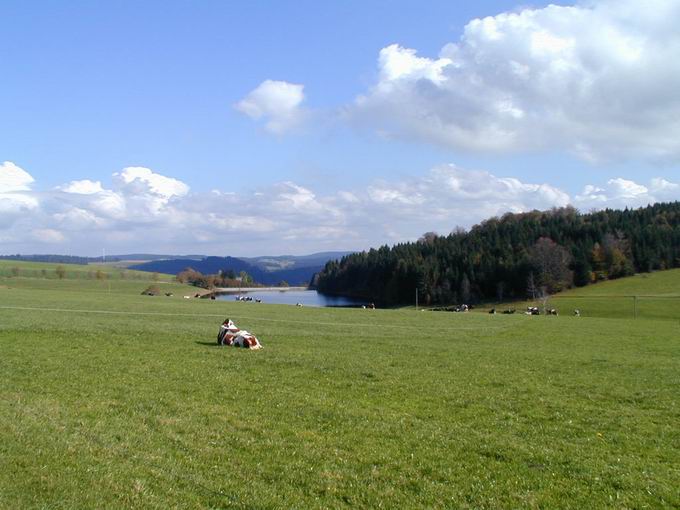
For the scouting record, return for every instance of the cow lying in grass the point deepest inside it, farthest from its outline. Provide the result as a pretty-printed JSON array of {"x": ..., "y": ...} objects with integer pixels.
[{"x": 229, "y": 334}]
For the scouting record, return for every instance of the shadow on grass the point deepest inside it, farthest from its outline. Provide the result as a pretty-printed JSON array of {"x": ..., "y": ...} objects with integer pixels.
[{"x": 211, "y": 344}]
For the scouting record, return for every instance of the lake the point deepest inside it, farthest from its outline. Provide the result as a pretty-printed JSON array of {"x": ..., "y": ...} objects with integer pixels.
[{"x": 292, "y": 297}]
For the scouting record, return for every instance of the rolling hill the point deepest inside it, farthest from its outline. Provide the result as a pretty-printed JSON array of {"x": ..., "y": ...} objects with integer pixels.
[
  {"x": 644, "y": 296},
  {"x": 265, "y": 270}
]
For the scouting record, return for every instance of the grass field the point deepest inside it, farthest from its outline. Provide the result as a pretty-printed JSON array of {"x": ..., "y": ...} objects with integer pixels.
[
  {"x": 111, "y": 399},
  {"x": 46, "y": 271},
  {"x": 647, "y": 295}
]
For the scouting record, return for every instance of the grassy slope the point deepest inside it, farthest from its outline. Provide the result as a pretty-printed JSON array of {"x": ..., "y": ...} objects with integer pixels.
[
  {"x": 342, "y": 408},
  {"x": 658, "y": 297},
  {"x": 46, "y": 270}
]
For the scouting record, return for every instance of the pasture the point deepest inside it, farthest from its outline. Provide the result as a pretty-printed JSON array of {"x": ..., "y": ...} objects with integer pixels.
[
  {"x": 647, "y": 295},
  {"x": 111, "y": 399}
]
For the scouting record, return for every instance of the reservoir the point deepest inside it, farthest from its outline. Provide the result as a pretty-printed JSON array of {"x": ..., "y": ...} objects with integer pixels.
[{"x": 292, "y": 297}]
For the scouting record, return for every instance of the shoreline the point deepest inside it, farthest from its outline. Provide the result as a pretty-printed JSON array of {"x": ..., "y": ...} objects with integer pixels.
[{"x": 238, "y": 290}]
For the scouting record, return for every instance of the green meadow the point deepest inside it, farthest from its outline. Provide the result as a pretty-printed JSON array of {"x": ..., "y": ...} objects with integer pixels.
[
  {"x": 647, "y": 295},
  {"x": 111, "y": 399}
]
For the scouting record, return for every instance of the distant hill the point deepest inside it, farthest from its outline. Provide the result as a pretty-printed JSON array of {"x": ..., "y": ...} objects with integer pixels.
[
  {"x": 75, "y": 259},
  {"x": 265, "y": 270},
  {"x": 151, "y": 256},
  {"x": 56, "y": 259},
  {"x": 206, "y": 265},
  {"x": 279, "y": 262}
]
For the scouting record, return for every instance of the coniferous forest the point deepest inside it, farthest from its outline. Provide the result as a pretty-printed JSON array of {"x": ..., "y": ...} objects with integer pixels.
[{"x": 515, "y": 256}]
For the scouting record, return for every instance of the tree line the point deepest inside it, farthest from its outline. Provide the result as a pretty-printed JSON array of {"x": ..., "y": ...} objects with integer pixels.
[
  {"x": 223, "y": 278},
  {"x": 512, "y": 257}
]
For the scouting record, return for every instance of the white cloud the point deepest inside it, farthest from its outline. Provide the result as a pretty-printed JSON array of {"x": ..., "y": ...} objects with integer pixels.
[
  {"x": 13, "y": 178},
  {"x": 397, "y": 63},
  {"x": 84, "y": 187},
  {"x": 15, "y": 197},
  {"x": 449, "y": 195},
  {"x": 143, "y": 210},
  {"x": 143, "y": 180},
  {"x": 47, "y": 235},
  {"x": 600, "y": 79},
  {"x": 278, "y": 103},
  {"x": 619, "y": 193}
]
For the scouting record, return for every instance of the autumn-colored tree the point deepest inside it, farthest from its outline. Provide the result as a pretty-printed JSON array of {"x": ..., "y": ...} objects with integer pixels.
[
  {"x": 617, "y": 256},
  {"x": 552, "y": 265}
]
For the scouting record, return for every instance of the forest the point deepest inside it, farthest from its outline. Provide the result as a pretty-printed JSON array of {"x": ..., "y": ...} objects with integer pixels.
[{"x": 511, "y": 257}]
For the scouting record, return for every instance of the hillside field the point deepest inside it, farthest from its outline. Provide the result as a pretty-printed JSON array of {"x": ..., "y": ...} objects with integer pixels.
[
  {"x": 645, "y": 295},
  {"x": 112, "y": 399}
]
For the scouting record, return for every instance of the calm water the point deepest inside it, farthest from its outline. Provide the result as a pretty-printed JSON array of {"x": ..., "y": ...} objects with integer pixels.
[{"x": 292, "y": 297}]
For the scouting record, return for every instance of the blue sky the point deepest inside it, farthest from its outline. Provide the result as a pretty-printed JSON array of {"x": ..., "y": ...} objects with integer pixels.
[{"x": 269, "y": 127}]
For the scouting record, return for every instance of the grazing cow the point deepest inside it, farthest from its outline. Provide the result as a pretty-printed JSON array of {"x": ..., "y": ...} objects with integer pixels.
[
  {"x": 492, "y": 311},
  {"x": 258, "y": 300},
  {"x": 298, "y": 304},
  {"x": 532, "y": 310},
  {"x": 229, "y": 334},
  {"x": 552, "y": 311},
  {"x": 577, "y": 312}
]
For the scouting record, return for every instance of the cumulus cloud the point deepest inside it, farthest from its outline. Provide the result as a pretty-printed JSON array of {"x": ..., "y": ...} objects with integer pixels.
[
  {"x": 143, "y": 180},
  {"x": 449, "y": 195},
  {"x": 15, "y": 199},
  {"x": 142, "y": 210},
  {"x": 13, "y": 178},
  {"x": 84, "y": 187},
  {"x": 277, "y": 103},
  {"x": 600, "y": 79},
  {"x": 620, "y": 193}
]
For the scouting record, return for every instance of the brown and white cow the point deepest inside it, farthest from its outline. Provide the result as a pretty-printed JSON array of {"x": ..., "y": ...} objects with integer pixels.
[{"x": 229, "y": 334}]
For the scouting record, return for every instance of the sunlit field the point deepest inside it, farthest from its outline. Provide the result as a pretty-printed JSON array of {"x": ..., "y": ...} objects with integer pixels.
[
  {"x": 643, "y": 296},
  {"x": 113, "y": 399}
]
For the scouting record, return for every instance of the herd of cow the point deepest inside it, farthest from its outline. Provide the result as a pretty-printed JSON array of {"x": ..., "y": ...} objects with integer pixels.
[
  {"x": 230, "y": 334},
  {"x": 248, "y": 298},
  {"x": 534, "y": 310}
]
